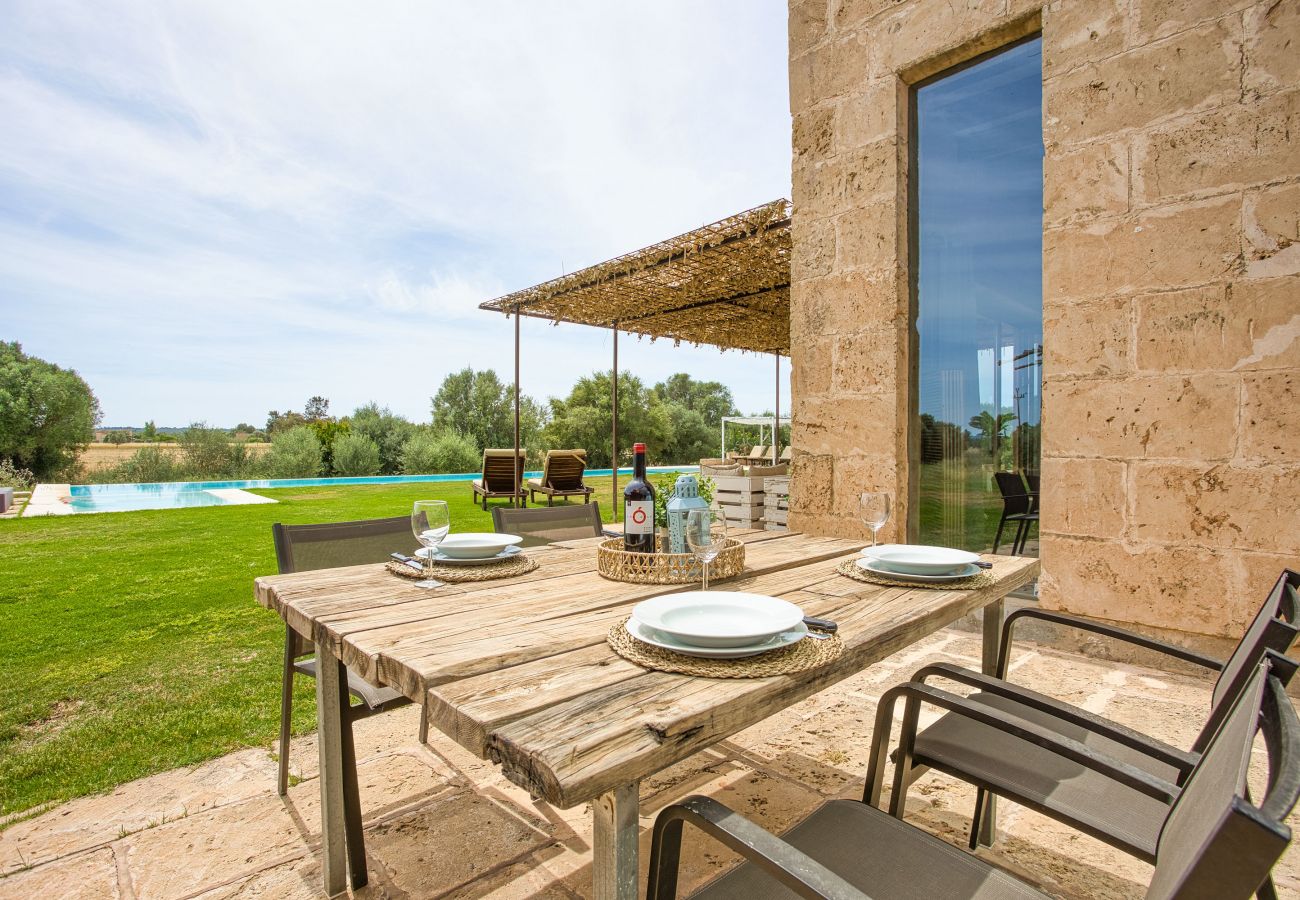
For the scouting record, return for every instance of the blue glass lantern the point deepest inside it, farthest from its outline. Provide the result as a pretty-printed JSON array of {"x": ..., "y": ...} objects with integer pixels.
[{"x": 686, "y": 497}]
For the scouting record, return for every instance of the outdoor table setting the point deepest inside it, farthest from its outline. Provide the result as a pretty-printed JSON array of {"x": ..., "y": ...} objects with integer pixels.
[{"x": 581, "y": 681}]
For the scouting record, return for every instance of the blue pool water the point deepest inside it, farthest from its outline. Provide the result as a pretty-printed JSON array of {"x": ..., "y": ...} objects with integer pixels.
[{"x": 177, "y": 494}]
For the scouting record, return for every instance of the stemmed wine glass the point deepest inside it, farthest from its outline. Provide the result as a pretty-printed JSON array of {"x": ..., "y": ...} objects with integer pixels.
[
  {"x": 430, "y": 522},
  {"x": 706, "y": 534},
  {"x": 875, "y": 511}
]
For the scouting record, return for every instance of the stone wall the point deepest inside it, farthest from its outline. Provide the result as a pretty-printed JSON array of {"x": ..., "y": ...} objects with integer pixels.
[{"x": 1171, "y": 462}]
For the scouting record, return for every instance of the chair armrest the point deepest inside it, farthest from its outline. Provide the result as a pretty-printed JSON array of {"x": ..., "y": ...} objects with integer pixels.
[
  {"x": 1121, "y": 734},
  {"x": 1075, "y": 751},
  {"x": 607, "y": 533},
  {"x": 1111, "y": 631},
  {"x": 791, "y": 867}
]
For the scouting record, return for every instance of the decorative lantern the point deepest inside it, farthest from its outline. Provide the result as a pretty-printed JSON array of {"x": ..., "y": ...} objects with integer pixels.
[{"x": 686, "y": 497}]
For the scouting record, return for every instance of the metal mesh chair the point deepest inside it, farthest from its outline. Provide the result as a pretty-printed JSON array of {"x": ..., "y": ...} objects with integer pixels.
[
  {"x": 547, "y": 524},
  {"x": 1213, "y": 841},
  {"x": 301, "y": 548},
  {"x": 1040, "y": 752},
  {"x": 1018, "y": 506}
]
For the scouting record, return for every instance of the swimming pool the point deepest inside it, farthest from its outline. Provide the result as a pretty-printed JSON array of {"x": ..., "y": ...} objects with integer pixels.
[{"x": 93, "y": 498}]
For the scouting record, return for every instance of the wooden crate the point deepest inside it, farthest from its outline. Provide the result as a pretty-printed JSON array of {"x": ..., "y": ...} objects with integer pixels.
[
  {"x": 776, "y": 516},
  {"x": 738, "y": 483}
]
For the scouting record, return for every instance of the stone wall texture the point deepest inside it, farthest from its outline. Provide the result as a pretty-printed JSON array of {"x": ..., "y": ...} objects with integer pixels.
[{"x": 1171, "y": 291}]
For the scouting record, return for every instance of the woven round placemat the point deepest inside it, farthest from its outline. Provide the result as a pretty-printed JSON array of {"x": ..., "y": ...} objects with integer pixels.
[
  {"x": 507, "y": 568},
  {"x": 809, "y": 653},
  {"x": 850, "y": 568}
]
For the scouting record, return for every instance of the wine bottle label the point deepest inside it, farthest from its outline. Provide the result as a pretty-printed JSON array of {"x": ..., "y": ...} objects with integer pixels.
[{"x": 639, "y": 516}]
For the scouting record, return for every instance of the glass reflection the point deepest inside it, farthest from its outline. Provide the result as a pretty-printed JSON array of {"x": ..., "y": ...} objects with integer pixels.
[{"x": 979, "y": 203}]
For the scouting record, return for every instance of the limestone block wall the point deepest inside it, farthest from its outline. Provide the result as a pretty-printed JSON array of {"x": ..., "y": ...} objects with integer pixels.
[{"x": 1171, "y": 465}]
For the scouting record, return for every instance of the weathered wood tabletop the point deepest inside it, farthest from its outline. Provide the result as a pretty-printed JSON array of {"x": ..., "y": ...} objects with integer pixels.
[{"x": 517, "y": 670}]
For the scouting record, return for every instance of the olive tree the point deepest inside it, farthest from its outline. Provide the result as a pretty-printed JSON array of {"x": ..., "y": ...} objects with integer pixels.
[{"x": 47, "y": 413}]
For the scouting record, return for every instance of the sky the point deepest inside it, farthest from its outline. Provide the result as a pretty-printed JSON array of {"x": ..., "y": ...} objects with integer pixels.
[{"x": 215, "y": 208}]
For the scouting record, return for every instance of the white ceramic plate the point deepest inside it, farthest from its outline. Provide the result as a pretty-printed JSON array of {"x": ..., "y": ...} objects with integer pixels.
[
  {"x": 918, "y": 559},
  {"x": 443, "y": 560},
  {"x": 476, "y": 545},
  {"x": 643, "y": 632},
  {"x": 871, "y": 565},
  {"x": 718, "y": 618}
]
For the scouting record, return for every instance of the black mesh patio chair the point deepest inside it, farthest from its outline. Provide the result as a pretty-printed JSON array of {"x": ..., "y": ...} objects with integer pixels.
[
  {"x": 300, "y": 548},
  {"x": 1037, "y": 750},
  {"x": 1214, "y": 843},
  {"x": 1018, "y": 507},
  {"x": 547, "y": 524}
]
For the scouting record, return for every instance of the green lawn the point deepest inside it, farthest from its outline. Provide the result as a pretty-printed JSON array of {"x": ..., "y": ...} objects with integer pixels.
[{"x": 132, "y": 643}]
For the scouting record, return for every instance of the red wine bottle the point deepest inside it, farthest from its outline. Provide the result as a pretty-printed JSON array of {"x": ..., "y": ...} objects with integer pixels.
[{"x": 638, "y": 507}]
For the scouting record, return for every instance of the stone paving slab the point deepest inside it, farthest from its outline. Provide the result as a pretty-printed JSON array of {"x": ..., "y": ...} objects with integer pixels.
[{"x": 442, "y": 823}]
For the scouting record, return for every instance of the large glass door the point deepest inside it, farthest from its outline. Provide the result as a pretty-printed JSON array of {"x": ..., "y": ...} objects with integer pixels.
[{"x": 978, "y": 248}]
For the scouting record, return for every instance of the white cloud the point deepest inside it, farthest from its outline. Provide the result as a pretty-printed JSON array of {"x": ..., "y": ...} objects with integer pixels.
[{"x": 275, "y": 198}]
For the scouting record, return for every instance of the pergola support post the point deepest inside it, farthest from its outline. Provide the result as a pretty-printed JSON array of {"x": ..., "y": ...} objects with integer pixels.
[
  {"x": 613, "y": 437},
  {"x": 519, "y": 494},
  {"x": 776, "y": 415}
]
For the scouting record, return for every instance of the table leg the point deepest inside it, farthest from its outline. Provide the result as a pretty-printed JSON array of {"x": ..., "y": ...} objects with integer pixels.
[
  {"x": 986, "y": 811},
  {"x": 614, "y": 843},
  {"x": 329, "y": 738}
]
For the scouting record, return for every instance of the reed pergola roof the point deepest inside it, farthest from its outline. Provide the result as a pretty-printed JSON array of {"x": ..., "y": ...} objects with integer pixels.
[{"x": 726, "y": 284}]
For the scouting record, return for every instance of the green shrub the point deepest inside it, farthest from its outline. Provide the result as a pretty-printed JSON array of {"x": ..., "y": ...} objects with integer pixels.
[
  {"x": 148, "y": 464},
  {"x": 389, "y": 431},
  {"x": 208, "y": 454},
  {"x": 295, "y": 453},
  {"x": 433, "y": 452},
  {"x": 664, "y": 485},
  {"x": 15, "y": 476},
  {"x": 355, "y": 455}
]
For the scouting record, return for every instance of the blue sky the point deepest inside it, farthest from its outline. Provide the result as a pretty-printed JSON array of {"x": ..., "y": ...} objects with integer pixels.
[{"x": 211, "y": 209}]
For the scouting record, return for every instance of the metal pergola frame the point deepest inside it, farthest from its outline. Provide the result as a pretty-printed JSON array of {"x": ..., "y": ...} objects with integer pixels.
[{"x": 697, "y": 287}]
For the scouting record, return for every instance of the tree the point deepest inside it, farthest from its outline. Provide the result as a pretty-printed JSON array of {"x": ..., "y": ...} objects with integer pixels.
[
  {"x": 711, "y": 399},
  {"x": 317, "y": 408},
  {"x": 150, "y": 432},
  {"x": 389, "y": 431},
  {"x": 430, "y": 452},
  {"x": 118, "y": 436},
  {"x": 47, "y": 413},
  {"x": 355, "y": 456},
  {"x": 582, "y": 420},
  {"x": 277, "y": 421},
  {"x": 295, "y": 453},
  {"x": 991, "y": 429},
  {"x": 481, "y": 406}
]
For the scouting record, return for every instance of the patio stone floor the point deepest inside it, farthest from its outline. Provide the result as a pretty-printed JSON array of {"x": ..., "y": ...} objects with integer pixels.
[{"x": 442, "y": 823}]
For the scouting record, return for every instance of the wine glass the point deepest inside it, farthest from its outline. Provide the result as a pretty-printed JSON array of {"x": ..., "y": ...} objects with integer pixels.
[
  {"x": 706, "y": 534},
  {"x": 430, "y": 522},
  {"x": 875, "y": 511}
]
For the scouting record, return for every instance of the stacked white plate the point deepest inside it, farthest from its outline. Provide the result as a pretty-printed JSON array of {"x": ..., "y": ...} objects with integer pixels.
[
  {"x": 917, "y": 562},
  {"x": 472, "y": 548},
  {"x": 717, "y": 624}
]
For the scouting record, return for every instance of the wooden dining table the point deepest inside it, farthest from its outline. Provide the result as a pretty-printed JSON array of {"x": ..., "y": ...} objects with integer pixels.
[{"x": 518, "y": 670}]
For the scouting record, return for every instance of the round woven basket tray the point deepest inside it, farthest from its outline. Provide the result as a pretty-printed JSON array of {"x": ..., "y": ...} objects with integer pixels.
[
  {"x": 617, "y": 564},
  {"x": 810, "y": 653},
  {"x": 519, "y": 564},
  {"x": 851, "y": 569}
]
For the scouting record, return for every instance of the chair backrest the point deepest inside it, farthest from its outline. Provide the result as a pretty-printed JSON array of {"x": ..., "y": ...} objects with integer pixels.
[
  {"x": 546, "y": 524},
  {"x": 1015, "y": 498},
  {"x": 1273, "y": 628},
  {"x": 1032, "y": 479},
  {"x": 499, "y": 471},
  {"x": 758, "y": 452},
  {"x": 787, "y": 453},
  {"x": 300, "y": 548},
  {"x": 1214, "y": 843},
  {"x": 563, "y": 469}
]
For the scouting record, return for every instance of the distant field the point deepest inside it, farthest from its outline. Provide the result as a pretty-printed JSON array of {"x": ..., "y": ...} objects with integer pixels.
[
  {"x": 132, "y": 641},
  {"x": 101, "y": 456}
]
